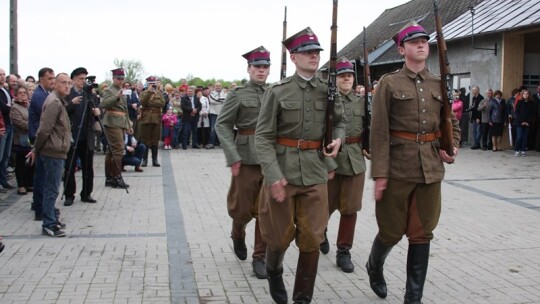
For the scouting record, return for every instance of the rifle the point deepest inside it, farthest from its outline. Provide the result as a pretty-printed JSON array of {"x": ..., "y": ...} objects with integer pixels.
[
  {"x": 447, "y": 137},
  {"x": 367, "y": 96},
  {"x": 283, "y": 49},
  {"x": 332, "y": 90}
]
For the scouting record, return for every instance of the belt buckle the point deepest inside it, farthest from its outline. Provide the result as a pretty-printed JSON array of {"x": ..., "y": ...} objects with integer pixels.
[
  {"x": 299, "y": 143},
  {"x": 418, "y": 136}
]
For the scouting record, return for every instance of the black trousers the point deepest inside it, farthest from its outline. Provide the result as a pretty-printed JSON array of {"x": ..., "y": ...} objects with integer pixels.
[{"x": 87, "y": 165}]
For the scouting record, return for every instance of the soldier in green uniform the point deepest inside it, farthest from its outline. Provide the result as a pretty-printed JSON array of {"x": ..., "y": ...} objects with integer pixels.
[
  {"x": 288, "y": 138},
  {"x": 345, "y": 190},
  {"x": 115, "y": 122},
  {"x": 241, "y": 109},
  {"x": 152, "y": 102},
  {"x": 407, "y": 162}
]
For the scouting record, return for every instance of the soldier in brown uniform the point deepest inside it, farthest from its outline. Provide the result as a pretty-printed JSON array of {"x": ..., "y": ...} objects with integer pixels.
[
  {"x": 152, "y": 102},
  {"x": 345, "y": 190},
  {"x": 115, "y": 122},
  {"x": 407, "y": 163},
  {"x": 288, "y": 138},
  {"x": 241, "y": 109}
]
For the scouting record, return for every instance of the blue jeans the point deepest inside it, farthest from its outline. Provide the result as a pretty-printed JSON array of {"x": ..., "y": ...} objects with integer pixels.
[
  {"x": 189, "y": 127},
  {"x": 39, "y": 177},
  {"x": 5, "y": 154},
  {"x": 522, "y": 136},
  {"x": 54, "y": 167},
  {"x": 213, "y": 119},
  {"x": 135, "y": 158},
  {"x": 477, "y": 133}
]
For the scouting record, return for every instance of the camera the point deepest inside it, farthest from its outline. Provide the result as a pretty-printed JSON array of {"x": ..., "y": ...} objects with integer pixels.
[{"x": 90, "y": 84}]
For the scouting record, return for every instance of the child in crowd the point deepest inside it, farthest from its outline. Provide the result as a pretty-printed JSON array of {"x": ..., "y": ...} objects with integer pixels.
[
  {"x": 169, "y": 119},
  {"x": 457, "y": 107}
]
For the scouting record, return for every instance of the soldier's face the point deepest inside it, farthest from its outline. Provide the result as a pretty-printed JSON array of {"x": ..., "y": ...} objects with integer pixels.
[
  {"x": 258, "y": 73},
  {"x": 306, "y": 62},
  {"x": 345, "y": 82},
  {"x": 416, "y": 50}
]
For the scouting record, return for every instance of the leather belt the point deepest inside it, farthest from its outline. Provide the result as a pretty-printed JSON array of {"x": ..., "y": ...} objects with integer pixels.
[
  {"x": 353, "y": 140},
  {"x": 246, "y": 131},
  {"x": 113, "y": 112},
  {"x": 417, "y": 137},
  {"x": 300, "y": 144},
  {"x": 152, "y": 110}
]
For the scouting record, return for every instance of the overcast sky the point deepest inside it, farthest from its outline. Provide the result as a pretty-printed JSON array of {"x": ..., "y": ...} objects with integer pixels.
[{"x": 173, "y": 38}]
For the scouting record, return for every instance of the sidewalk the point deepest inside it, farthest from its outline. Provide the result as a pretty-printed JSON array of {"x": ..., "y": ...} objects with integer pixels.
[{"x": 168, "y": 240}]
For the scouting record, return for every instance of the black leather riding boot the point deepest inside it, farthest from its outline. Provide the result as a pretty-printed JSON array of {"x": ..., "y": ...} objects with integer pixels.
[
  {"x": 417, "y": 264},
  {"x": 274, "y": 269},
  {"x": 374, "y": 267}
]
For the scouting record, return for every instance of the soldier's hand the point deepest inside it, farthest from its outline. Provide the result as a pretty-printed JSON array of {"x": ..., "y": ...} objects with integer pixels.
[
  {"x": 380, "y": 186},
  {"x": 447, "y": 158},
  {"x": 235, "y": 168},
  {"x": 119, "y": 94},
  {"x": 130, "y": 131},
  {"x": 331, "y": 175},
  {"x": 277, "y": 190},
  {"x": 334, "y": 145},
  {"x": 134, "y": 106},
  {"x": 96, "y": 111},
  {"x": 366, "y": 154}
]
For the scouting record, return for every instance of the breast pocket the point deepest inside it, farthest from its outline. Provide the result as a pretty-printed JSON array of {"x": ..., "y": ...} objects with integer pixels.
[
  {"x": 437, "y": 99},
  {"x": 320, "y": 110},
  {"x": 290, "y": 111},
  {"x": 250, "y": 107}
]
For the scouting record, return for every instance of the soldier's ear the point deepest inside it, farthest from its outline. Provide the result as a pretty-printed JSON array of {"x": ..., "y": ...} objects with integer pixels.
[{"x": 401, "y": 50}]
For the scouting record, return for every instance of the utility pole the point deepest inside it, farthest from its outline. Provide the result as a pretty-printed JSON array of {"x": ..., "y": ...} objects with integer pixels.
[{"x": 14, "y": 50}]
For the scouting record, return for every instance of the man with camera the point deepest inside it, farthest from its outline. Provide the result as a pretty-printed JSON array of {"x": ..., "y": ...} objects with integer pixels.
[
  {"x": 115, "y": 122},
  {"x": 152, "y": 102},
  {"x": 82, "y": 111}
]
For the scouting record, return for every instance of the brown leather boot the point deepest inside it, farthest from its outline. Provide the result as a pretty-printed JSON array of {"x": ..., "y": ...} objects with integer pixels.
[
  {"x": 347, "y": 223},
  {"x": 306, "y": 272},
  {"x": 259, "y": 253}
]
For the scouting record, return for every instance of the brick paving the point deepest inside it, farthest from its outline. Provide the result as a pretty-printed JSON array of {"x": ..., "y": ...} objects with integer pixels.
[{"x": 167, "y": 241}]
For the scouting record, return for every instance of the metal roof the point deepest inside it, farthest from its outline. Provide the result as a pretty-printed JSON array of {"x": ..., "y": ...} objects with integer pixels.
[{"x": 492, "y": 16}]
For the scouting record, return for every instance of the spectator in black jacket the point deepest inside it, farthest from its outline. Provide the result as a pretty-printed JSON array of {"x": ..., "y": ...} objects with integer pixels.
[{"x": 524, "y": 118}]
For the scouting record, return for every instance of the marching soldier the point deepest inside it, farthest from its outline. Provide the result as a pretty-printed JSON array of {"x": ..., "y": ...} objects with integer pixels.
[
  {"x": 345, "y": 190},
  {"x": 406, "y": 162},
  {"x": 288, "y": 137},
  {"x": 115, "y": 122},
  {"x": 241, "y": 109},
  {"x": 152, "y": 102}
]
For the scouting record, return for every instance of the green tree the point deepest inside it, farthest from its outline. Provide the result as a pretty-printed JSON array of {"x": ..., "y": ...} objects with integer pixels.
[{"x": 133, "y": 69}]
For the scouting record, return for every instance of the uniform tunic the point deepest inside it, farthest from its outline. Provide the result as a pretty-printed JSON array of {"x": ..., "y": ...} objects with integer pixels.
[
  {"x": 241, "y": 109},
  {"x": 346, "y": 189},
  {"x": 296, "y": 109},
  {"x": 150, "y": 121},
  {"x": 409, "y": 102}
]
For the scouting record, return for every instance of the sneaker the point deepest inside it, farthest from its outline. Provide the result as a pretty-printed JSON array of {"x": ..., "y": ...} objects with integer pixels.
[
  {"x": 60, "y": 224},
  {"x": 53, "y": 231},
  {"x": 523, "y": 153},
  {"x": 516, "y": 153}
]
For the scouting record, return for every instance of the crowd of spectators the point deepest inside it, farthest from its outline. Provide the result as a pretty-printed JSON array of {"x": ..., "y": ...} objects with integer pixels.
[{"x": 491, "y": 115}]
